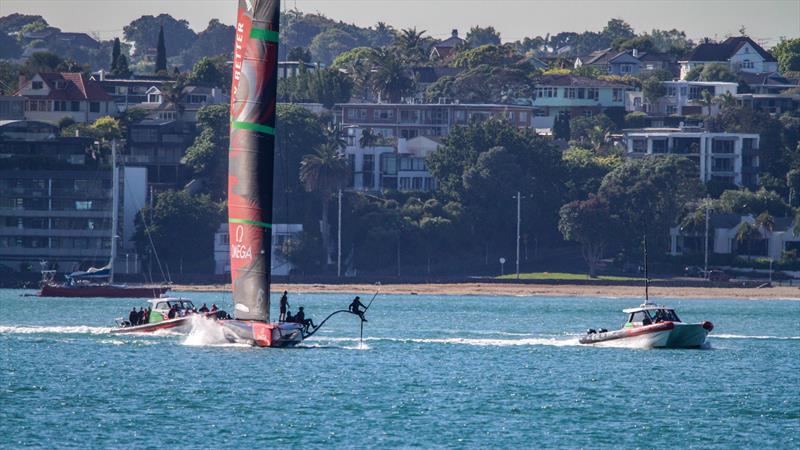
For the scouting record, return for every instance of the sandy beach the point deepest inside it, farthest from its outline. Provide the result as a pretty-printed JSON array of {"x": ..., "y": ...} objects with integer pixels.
[{"x": 523, "y": 290}]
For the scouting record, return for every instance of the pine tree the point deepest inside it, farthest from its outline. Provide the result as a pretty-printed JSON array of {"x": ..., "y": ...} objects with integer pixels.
[
  {"x": 122, "y": 70},
  {"x": 161, "y": 52},
  {"x": 115, "y": 52}
]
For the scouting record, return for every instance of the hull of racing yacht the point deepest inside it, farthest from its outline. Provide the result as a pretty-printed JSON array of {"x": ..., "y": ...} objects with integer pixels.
[{"x": 263, "y": 334}]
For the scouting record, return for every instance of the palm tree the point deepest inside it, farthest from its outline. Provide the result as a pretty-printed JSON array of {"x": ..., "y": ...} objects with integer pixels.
[
  {"x": 390, "y": 78},
  {"x": 324, "y": 172},
  {"x": 765, "y": 221},
  {"x": 747, "y": 232},
  {"x": 410, "y": 44},
  {"x": 705, "y": 101},
  {"x": 726, "y": 100}
]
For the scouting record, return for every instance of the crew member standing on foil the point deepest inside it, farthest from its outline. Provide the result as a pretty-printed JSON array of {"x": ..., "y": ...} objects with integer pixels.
[
  {"x": 284, "y": 305},
  {"x": 355, "y": 308}
]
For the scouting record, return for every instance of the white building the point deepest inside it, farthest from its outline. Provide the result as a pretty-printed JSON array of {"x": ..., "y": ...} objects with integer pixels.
[
  {"x": 740, "y": 53},
  {"x": 722, "y": 240},
  {"x": 680, "y": 98},
  {"x": 280, "y": 233},
  {"x": 392, "y": 163},
  {"x": 728, "y": 157}
]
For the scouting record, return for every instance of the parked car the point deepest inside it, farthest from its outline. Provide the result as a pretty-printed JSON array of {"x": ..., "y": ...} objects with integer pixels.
[
  {"x": 693, "y": 271},
  {"x": 718, "y": 275}
]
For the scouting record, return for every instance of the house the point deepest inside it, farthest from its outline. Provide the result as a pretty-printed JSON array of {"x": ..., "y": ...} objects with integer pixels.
[
  {"x": 128, "y": 92},
  {"x": 726, "y": 157},
  {"x": 281, "y": 232},
  {"x": 775, "y": 104},
  {"x": 740, "y": 53},
  {"x": 288, "y": 69},
  {"x": 680, "y": 99},
  {"x": 447, "y": 48},
  {"x": 409, "y": 120},
  {"x": 391, "y": 163},
  {"x": 191, "y": 100},
  {"x": 766, "y": 83},
  {"x": 722, "y": 238},
  {"x": 628, "y": 62},
  {"x": 50, "y": 97},
  {"x": 577, "y": 96}
]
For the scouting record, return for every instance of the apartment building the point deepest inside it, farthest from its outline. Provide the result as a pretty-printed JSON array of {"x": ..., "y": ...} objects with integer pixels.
[
  {"x": 681, "y": 98},
  {"x": 576, "y": 96},
  {"x": 726, "y": 157}
]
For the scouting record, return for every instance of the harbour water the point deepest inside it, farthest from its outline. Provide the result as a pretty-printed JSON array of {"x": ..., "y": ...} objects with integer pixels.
[{"x": 433, "y": 371}]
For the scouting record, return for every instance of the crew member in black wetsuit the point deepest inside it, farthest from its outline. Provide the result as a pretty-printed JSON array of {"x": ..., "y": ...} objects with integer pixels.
[
  {"x": 204, "y": 308},
  {"x": 300, "y": 318},
  {"x": 132, "y": 317},
  {"x": 173, "y": 312},
  {"x": 284, "y": 305},
  {"x": 355, "y": 308}
]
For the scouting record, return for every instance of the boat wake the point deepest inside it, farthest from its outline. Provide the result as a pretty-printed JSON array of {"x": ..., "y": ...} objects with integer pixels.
[
  {"x": 26, "y": 329},
  {"x": 479, "y": 342},
  {"x": 741, "y": 336},
  {"x": 208, "y": 333}
]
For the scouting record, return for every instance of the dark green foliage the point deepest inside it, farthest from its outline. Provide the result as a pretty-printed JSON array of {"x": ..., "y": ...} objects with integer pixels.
[
  {"x": 42, "y": 62},
  {"x": 636, "y": 120},
  {"x": 478, "y": 36},
  {"x": 9, "y": 47},
  {"x": 484, "y": 84},
  {"x": 9, "y": 77},
  {"x": 161, "y": 52},
  {"x": 330, "y": 43},
  {"x": 653, "y": 89},
  {"x": 298, "y": 54},
  {"x": 325, "y": 86},
  {"x": 592, "y": 224},
  {"x": 648, "y": 195},
  {"x": 14, "y": 22},
  {"x": 591, "y": 132},
  {"x": 493, "y": 55},
  {"x": 711, "y": 72},
  {"x": 390, "y": 78},
  {"x": 115, "y": 53},
  {"x": 208, "y": 154},
  {"x": 216, "y": 40},
  {"x": 561, "y": 127},
  {"x": 144, "y": 33},
  {"x": 182, "y": 228},
  {"x": 754, "y": 203},
  {"x": 787, "y": 52}
]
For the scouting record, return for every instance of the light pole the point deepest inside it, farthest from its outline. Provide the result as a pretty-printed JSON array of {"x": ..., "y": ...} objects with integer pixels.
[
  {"x": 502, "y": 266},
  {"x": 705, "y": 266},
  {"x": 519, "y": 221},
  {"x": 770, "y": 271},
  {"x": 339, "y": 244}
]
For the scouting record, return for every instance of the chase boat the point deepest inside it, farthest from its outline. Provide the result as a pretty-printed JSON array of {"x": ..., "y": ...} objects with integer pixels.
[
  {"x": 652, "y": 326},
  {"x": 159, "y": 317}
]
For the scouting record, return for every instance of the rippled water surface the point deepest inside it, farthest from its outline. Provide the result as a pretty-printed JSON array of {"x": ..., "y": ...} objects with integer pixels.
[{"x": 434, "y": 371}]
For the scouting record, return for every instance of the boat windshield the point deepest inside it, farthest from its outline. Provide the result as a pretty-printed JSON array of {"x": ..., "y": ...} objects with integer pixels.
[{"x": 665, "y": 315}]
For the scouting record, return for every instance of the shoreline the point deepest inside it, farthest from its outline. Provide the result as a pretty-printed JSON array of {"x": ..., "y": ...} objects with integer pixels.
[{"x": 524, "y": 290}]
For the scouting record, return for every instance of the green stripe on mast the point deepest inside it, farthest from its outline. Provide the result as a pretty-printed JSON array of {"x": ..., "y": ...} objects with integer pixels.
[
  {"x": 253, "y": 127},
  {"x": 264, "y": 34},
  {"x": 250, "y": 222}
]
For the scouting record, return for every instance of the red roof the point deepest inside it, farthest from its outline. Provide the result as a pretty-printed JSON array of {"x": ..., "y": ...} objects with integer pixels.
[{"x": 76, "y": 87}]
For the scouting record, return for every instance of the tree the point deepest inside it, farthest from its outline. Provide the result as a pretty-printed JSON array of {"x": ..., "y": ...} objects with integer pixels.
[
  {"x": 793, "y": 183},
  {"x": 653, "y": 90},
  {"x": 13, "y": 23},
  {"x": 9, "y": 77},
  {"x": 42, "y": 62},
  {"x": 478, "y": 36},
  {"x": 616, "y": 29},
  {"x": 410, "y": 44},
  {"x": 591, "y": 132},
  {"x": 706, "y": 100},
  {"x": 181, "y": 227},
  {"x": 484, "y": 84},
  {"x": 754, "y": 203},
  {"x": 561, "y": 127},
  {"x": 590, "y": 223},
  {"x": 641, "y": 43},
  {"x": 216, "y": 40},
  {"x": 711, "y": 72},
  {"x": 671, "y": 41},
  {"x": 493, "y": 55},
  {"x": 9, "y": 47},
  {"x": 115, "y": 53},
  {"x": 206, "y": 73},
  {"x": 328, "y": 87},
  {"x": 322, "y": 173},
  {"x": 649, "y": 194},
  {"x": 144, "y": 31},
  {"x": 161, "y": 53},
  {"x": 208, "y": 154},
  {"x": 330, "y": 43},
  {"x": 787, "y": 52},
  {"x": 390, "y": 79},
  {"x": 107, "y": 128}
]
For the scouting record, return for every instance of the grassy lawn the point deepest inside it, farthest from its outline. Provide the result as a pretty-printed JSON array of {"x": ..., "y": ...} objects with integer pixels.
[{"x": 564, "y": 276}]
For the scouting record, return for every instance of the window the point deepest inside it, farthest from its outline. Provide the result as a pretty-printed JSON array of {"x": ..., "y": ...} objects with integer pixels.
[
  {"x": 639, "y": 145},
  {"x": 59, "y": 105},
  {"x": 405, "y": 183},
  {"x": 569, "y": 92},
  {"x": 61, "y": 84},
  {"x": 44, "y": 105},
  {"x": 672, "y": 109},
  {"x": 616, "y": 94},
  {"x": 388, "y": 164},
  {"x": 83, "y": 205},
  {"x": 460, "y": 116},
  {"x": 659, "y": 146},
  {"x": 74, "y": 106},
  {"x": 197, "y": 99},
  {"x": 409, "y": 116},
  {"x": 523, "y": 117},
  {"x": 37, "y": 85},
  {"x": 722, "y": 164},
  {"x": 747, "y": 64},
  {"x": 94, "y": 107},
  {"x": 144, "y": 135},
  {"x": 383, "y": 114},
  {"x": 722, "y": 146},
  {"x": 416, "y": 183},
  {"x": 153, "y": 98},
  {"x": 581, "y": 92},
  {"x": 546, "y": 92},
  {"x": 369, "y": 163},
  {"x": 593, "y": 93},
  {"x": 588, "y": 113},
  {"x": 683, "y": 91},
  {"x": 33, "y": 105},
  {"x": 625, "y": 68},
  {"x": 672, "y": 91}
]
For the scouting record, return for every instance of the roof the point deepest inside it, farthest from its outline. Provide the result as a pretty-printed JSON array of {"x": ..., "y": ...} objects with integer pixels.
[
  {"x": 450, "y": 42},
  {"x": 645, "y": 307},
  {"x": 765, "y": 79},
  {"x": 724, "y": 50},
  {"x": 77, "y": 87},
  {"x": 576, "y": 81}
]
